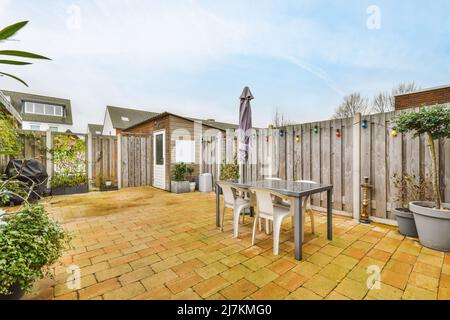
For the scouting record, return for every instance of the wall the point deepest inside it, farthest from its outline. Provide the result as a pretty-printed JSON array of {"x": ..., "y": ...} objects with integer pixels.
[
  {"x": 423, "y": 98},
  {"x": 26, "y": 125},
  {"x": 108, "y": 129}
]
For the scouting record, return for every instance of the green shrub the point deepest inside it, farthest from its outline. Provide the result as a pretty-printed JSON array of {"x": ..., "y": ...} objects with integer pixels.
[
  {"x": 30, "y": 243},
  {"x": 179, "y": 172},
  {"x": 434, "y": 122},
  {"x": 68, "y": 180}
]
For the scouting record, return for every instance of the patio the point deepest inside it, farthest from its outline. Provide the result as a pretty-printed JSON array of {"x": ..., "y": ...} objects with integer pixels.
[{"x": 142, "y": 243}]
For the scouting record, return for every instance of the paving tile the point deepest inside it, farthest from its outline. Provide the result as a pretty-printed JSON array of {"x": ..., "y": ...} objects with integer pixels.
[
  {"x": 113, "y": 272},
  {"x": 303, "y": 294},
  {"x": 166, "y": 264},
  {"x": 352, "y": 289},
  {"x": 336, "y": 296},
  {"x": 345, "y": 261},
  {"x": 136, "y": 275},
  {"x": 99, "y": 289},
  {"x": 320, "y": 259},
  {"x": 183, "y": 283},
  {"x": 271, "y": 291},
  {"x": 444, "y": 294},
  {"x": 385, "y": 292},
  {"x": 188, "y": 266},
  {"x": 210, "y": 286},
  {"x": 427, "y": 269},
  {"x": 236, "y": 273},
  {"x": 290, "y": 280},
  {"x": 256, "y": 263},
  {"x": 211, "y": 270},
  {"x": 422, "y": 281},
  {"x": 331, "y": 250},
  {"x": 262, "y": 277},
  {"x": 158, "y": 279},
  {"x": 307, "y": 269},
  {"x": 320, "y": 285},
  {"x": 414, "y": 293},
  {"x": 239, "y": 290},
  {"x": 281, "y": 266},
  {"x": 126, "y": 292},
  {"x": 334, "y": 272},
  {"x": 395, "y": 279}
]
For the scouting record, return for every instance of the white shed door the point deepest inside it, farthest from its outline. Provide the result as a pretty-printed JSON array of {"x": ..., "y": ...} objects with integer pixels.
[{"x": 159, "y": 160}]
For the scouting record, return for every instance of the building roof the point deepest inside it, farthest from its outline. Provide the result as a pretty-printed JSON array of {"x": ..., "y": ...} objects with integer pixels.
[
  {"x": 210, "y": 123},
  {"x": 424, "y": 90},
  {"x": 95, "y": 129},
  {"x": 134, "y": 116},
  {"x": 6, "y": 105},
  {"x": 17, "y": 99}
]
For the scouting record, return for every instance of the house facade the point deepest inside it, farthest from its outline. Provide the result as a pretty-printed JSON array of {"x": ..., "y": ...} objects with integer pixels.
[
  {"x": 41, "y": 113},
  {"x": 426, "y": 97},
  {"x": 176, "y": 139},
  {"x": 118, "y": 119}
]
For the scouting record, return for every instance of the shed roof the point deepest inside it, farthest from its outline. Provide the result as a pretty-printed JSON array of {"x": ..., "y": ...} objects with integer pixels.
[{"x": 134, "y": 116}]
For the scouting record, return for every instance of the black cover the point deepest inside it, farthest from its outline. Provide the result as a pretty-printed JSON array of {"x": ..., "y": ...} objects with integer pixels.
[{"x": 28, "y": 171}]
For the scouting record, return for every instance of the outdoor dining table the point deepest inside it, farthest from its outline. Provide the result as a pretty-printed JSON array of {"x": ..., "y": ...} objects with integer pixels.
[{"x": 295, "y": 191}]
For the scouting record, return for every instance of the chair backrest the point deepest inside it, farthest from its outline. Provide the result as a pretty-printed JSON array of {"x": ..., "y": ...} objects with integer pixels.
[
  {"x": 264, "y": 200},
  {"x": 228, "y": 194},
  {"x": 272, "y": 178},
  {"x": 306, "y": 181}
]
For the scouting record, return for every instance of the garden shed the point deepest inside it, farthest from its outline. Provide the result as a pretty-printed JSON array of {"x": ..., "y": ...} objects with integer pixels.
[{"x": 175, "y": 139}]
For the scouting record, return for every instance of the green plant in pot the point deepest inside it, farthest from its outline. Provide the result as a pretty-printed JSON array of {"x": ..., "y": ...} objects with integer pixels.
[
  {"x": 190, "y": 175},
  {"x": 432, "y": 217},
  {"x": 179, "y": 184},
  {"x": 410, "y": 188},
  {"x": 30, "y": 242},
  {"x": 229, "y": 171}
]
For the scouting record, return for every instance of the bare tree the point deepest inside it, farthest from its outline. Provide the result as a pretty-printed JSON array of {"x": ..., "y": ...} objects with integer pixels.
[
  {"x": 279, "y": 120},
  {"x": 405, "y": 88},
  {"x": 385, "y": 102},
  {"x": 352, "y": 104}
]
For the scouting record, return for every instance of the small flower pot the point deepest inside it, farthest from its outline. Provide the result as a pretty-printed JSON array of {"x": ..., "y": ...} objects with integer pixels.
[
  {"x": 433, "y": 225},
  {"x": 406, "y": 223},
  {"x": 16, "y": 293}
]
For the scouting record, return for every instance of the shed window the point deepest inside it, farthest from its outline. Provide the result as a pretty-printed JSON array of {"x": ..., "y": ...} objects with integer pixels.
[{"x": 159, "y": 149}]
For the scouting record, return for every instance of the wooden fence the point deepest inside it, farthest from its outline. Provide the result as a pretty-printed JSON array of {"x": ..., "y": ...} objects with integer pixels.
[
  {"x": 104, "y": 159},
  {"x": 136, "y": 154},
  {"x": 326, "y": 152}
]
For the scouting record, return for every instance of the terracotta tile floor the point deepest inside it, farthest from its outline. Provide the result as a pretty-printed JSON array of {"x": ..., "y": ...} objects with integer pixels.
[{"x": 147, "y": 244}]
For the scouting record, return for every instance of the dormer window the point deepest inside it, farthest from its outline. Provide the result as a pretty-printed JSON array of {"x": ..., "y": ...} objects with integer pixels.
[
  {"x": 44, "y": 109},
  {"x": 126, "y": 119}
]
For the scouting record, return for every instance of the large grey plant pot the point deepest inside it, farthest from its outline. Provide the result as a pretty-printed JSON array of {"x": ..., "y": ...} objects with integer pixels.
[
  {"x": 180, "y": 187},
  {"x": 433, "y": 225},
  {"x": 406, "y": 223}
]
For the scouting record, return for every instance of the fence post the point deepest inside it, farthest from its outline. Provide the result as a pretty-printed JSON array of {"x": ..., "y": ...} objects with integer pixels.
[
  {"x": 49, "y": 162},
  {"x": 119, "y": 161},
  {"x": 356, "y": 165},
  {"x": 89, "y": 159}
]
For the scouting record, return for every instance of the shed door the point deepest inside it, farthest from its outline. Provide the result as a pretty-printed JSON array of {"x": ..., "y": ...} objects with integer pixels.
[{"x": 159, "y": 165}]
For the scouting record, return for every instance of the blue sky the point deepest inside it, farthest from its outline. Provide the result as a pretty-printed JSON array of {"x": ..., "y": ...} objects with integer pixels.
[{"x": 195, "y": 57}]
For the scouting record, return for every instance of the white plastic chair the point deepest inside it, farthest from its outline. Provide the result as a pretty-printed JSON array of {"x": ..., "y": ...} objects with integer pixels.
[
  {"x": 267, "y": 221},
  {"x": 231, "y": 201},
  {"x": 267, "y": 210}
]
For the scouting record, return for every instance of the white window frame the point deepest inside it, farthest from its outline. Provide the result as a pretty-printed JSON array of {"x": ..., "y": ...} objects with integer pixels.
[{"x": 33, "y": 108}]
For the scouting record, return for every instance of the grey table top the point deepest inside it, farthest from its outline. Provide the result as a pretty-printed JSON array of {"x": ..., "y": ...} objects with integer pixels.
[{"x": 289, "y": 188}]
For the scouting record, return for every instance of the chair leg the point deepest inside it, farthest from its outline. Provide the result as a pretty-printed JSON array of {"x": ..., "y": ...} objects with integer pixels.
[
  {"x": 267, "y": 226},
  {"x": 237, "y": 213},
  {"x": 223, "y": 218},
  {"x": 303, "y": 226},
  {"x": 313, "y": 228},
  {"x": 260, "y": 224},
  {"x": 257, "y": 218},
  {"x": 276, "y": 235}
]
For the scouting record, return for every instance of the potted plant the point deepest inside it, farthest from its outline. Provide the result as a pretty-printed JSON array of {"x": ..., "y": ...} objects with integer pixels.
[
  {"x": 190, "y": 174},
  {"x": 30, "y": 242},
  {"x": 410, "y": 188},
  {"x": 432, "y": 218},
  {"x": 179, "y": 184},
  {"x": 64, "y": 184},
  {"x": 229, "y": 171}
]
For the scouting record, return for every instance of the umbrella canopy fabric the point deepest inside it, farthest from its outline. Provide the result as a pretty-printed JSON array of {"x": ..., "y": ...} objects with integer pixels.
[{"x": 245, "y": 123}]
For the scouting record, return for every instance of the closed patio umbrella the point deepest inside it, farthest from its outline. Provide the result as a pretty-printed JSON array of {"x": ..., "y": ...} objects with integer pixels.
[{"x": 245, "y": 123}]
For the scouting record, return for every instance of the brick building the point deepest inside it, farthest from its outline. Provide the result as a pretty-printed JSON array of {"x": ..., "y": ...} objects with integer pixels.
[{"x": 426, "y": 97}]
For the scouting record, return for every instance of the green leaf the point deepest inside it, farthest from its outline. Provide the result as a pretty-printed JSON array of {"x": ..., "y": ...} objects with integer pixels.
[
  {"x": 14, "y": 77},
  {"x": 12, "y": 30},
  {"x": 15, "y": 63},
  {"x": 23, "y": 54}
]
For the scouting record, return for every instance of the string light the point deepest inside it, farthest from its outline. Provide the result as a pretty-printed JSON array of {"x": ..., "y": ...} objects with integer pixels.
[
  {"x": 394, "y": 133},
  {"x": 297, "y": 138},
  {"x": 281, "y": 133},
  {"x": 364, "y": 124},
  {"x": 316, "y": 130},
  {"x": 338, "y": 133}
]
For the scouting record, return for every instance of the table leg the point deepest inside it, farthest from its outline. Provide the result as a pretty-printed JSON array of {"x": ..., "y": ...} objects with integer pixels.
[
  {"x": 298, "y": 221},
  {"x": 330, "y": 215},
  {"x": 217, "y": 206}
]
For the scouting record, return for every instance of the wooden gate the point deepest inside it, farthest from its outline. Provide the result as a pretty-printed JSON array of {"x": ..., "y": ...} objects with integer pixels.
[{"x": 136, "y": 156}]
